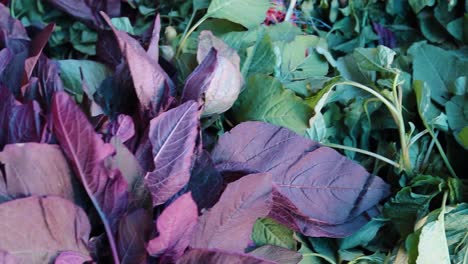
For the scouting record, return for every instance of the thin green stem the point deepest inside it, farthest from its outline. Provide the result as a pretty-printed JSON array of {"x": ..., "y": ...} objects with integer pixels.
[
  {"x": 186, "y": 36},
  {"x": 417, "y": 137},
  {"x": 442, "y": 154},
  {"x": 365, "y": 152},
  {"x": 189, "y": 23}
]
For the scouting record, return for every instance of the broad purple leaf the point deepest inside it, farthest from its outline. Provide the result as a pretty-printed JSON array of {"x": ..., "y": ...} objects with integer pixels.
[
  {"x": 153, "y": 48},
  {"x": 316, "y": 190},
  {"x": 37, "y": 45},
  {"x": 25, "y": 123},
  {"x": 36, "y": 169},
  {"x": 47, "y": 73},
  {"x": 152, "y": 85},
  {"x": 13, "y": 35},
  {"x": 206, "y": 182},
  {"x": 5, "y": 57},
  {"x": 36, "y": 230},
  {"x": 228, "y": 225},
  {"x": 134, "y": 230},
  {"x": 7, "y": 258},
  {"x": 87, "y": 152},
  {"x": 175, "y": 227},
  {"x": 173, "y": 135},
  {"x": 277, "y": 254},
  {"x": 72, "y": 257},
  {"x": 88, "y": 10},
  {"x": 214, "y": 256}
]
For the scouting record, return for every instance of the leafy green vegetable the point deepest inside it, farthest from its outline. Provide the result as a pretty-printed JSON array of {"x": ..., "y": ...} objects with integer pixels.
[{"x": 267, "y": 231}]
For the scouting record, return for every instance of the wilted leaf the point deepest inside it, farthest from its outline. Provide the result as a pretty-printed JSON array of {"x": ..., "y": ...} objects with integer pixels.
[
  {"x": 57, "y": 225},
  {"x": 234, "y": 215},
  {"x": 173, "y": 135},
  {"x": 175, "y": 226}
]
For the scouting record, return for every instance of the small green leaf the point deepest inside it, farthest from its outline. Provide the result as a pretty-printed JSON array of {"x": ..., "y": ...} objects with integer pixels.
[
  {"x": 267, "y": 231},
  {"x": 265, "y": 99},
  {"x": 123, "y": 23},
  {"x": 462, "y": 137},
  {"x": 93, "y": 73},
  {"x": 260, "y": 57},
  {"x": 374, "y": 59},
  {"x": 249, "y": 13}
]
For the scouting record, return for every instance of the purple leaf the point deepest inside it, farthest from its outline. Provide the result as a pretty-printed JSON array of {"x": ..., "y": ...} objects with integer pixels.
[
  {"x": 277, "y": 254},
  {"x": 213, "y": 256},
  {"x": 37, "y": 45},
  {"x": 175, "y": 226},
  {"x": 173, "y": 135},
  {"x": 206, "y": 182},
  {"x": 386, "y": 36},
  {"x": 153, "y": 48},
  {"x": 35, "y": 230},
  {"x": 228, "y": 225},
  {"x": 8, "y": 102},
  {"x": 316, "y": 190},
  {"x": 87, "y": 152},
  {"x": 134, "y": 230},
  {"x": 152, "y": 85},
  {"x": 25, "y": 123},
  {"x": 12, "y": 32},
  {"x": 6, "y": 258},
  {"x": 36, "y": 169},
  {"x": 218, "y": 76},
  {"x": 72, "y": 257},
  {"x": 88, "y": 10},
  {"x": 122, "y": 128}
]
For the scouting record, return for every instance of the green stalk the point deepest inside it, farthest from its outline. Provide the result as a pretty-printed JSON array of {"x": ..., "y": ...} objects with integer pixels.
[
  {"x": 192, "y": 29},
  {"x": 290, "y": 11},
  {"x": 365, "y": 152},
  {"x": 442, "y": 154}
]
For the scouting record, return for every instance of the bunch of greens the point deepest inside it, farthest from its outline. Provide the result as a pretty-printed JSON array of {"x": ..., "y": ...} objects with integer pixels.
[{"x": 208, "y": 131}]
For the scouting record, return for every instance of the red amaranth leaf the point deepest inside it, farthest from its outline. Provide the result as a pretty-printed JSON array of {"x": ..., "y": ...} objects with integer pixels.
[
  {"x": 228, "y": 225},
  {"x": 87, "y": 152},
  {"x": 36, "y": 229},
  {"x": 175, "y": 226},
  {"x": 152, "y": 84},
  {"x": 316, "y": 190},
  {"x": 215, "y": 256},
  {"x": 173, "y": 135}
]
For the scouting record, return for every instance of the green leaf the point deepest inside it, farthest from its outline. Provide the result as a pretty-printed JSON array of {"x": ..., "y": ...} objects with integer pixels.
[
  {"x": 265, "y": 99},
  {"x": 93, "y": 73},
  {"x": 462, "y": 137},
  {"x": 430, "y": 115},
  {"x": 364, "y": 235},
  {"x": 412, "y": 202},
  {"x": 418, "y": 5},
  {"x": 123, "y": 23},
  {"x": 267, "y": 231},
  {"x": 374, "y": 59},
  {"x": 299, "y": 60},
  {"x": 432, "y": 246},
  {"x": 438, "y": 68},
  {"x": 456, "y": 221},
  {"x": 260, "y": 58},
  {"x": 200, "y": 4},
  {"x": 249, "y": 13}
]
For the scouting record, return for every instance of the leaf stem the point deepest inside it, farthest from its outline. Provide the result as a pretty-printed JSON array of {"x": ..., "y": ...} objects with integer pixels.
[
  {"x": 442, "y": 154},
  {"x": 365, "y": 152},
  {"x": 186, "y": 36},
  {"x": 290, "y": 11}
]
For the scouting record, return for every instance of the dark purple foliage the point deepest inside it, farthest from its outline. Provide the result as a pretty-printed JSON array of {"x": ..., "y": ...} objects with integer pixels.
[
  {"x": 216, "y": 256},
  {"x": 316, "y": 190},
  {"x": 175, "y": 227},
  {"x": 87, "y": 152},
  {"x": 71, "y": 257},
  {"x": 233, "y": 217},
  {"x": 88, "y": 10},
  {"x": 386, "y": 36},
  {"x": 199, "y": 79},
  {"x": 173, "y": 136},
  {"x": 133, "y": 232}
]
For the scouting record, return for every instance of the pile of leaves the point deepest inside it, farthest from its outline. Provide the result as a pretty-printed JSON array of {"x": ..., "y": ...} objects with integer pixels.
[{"x": 233, "y": 131}]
